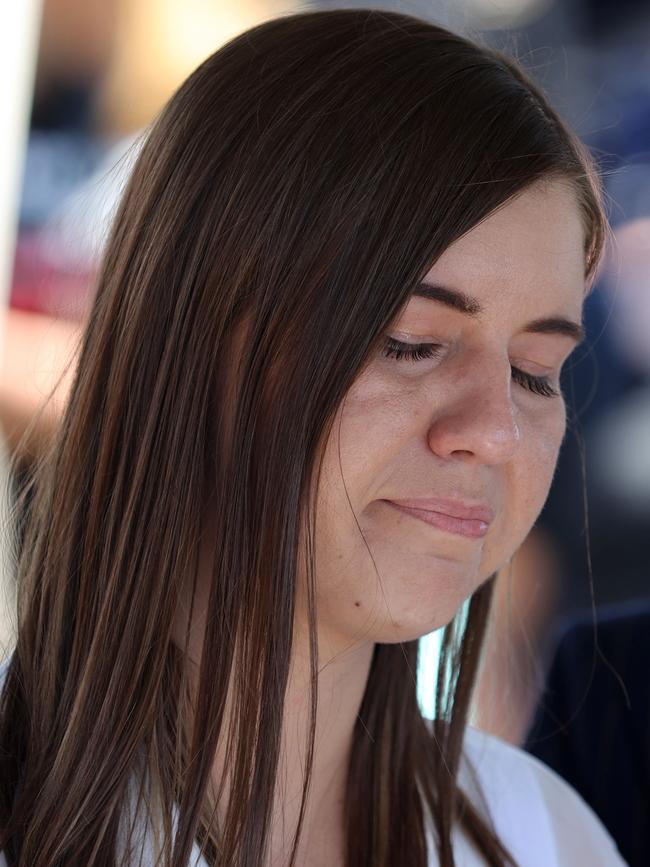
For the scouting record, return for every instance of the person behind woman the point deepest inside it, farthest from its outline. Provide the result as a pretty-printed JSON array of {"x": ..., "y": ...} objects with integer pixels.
[{"x": 315, "y": 410}]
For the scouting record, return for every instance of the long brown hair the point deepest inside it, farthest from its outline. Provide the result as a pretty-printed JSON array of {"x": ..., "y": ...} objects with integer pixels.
[{"x": 306, "y": 176}]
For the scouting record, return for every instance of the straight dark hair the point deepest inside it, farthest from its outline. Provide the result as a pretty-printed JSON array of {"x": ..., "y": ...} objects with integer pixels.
[{"x": 303, "y": 179}]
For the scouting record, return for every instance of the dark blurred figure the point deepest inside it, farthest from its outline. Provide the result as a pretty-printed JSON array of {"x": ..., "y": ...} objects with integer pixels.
[{"x": 593, "y": 721}]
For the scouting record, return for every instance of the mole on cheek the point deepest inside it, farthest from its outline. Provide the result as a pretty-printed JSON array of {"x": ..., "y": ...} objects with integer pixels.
[{"x": 357, "y": 604}]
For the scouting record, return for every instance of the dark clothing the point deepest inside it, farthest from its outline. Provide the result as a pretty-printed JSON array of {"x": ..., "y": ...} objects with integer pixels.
[{"x": 592, "y": 725}]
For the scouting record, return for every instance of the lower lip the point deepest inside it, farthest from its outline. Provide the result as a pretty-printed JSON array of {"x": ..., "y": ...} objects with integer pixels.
[{"x": 471, "y": 529}]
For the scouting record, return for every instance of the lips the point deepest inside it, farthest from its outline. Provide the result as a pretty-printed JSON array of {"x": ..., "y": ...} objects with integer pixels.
[{"x": 471, "y": 520}]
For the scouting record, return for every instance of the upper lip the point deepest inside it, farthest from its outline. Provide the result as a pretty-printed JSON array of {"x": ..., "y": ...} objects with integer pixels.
[{"x": 464, "y": 509}]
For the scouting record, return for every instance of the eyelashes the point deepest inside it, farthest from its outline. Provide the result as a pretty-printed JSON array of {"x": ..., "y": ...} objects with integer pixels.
[
  {"x": 413, "y": 351},
  {"x": 539, "y": 385}
]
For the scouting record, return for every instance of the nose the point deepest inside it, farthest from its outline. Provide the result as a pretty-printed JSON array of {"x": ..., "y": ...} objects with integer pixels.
[{"x": 479, "y": 422}]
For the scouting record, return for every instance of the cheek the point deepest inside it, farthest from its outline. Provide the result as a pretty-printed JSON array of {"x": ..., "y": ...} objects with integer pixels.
[
  {"x": 533, "y": 469},
  {"x": 544, "y": 439},
  {"x": 370, "y": 429},
  {"x": 527, "y": 480},
  {"x": 368, "y": 434}
]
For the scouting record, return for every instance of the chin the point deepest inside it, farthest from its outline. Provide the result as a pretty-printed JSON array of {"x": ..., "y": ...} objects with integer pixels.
[
  {"x": 411, "y": 628},
  {"x": 428, "y": 614}
]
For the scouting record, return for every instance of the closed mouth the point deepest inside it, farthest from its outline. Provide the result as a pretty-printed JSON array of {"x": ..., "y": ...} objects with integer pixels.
[{"x": 452, "y": 517}]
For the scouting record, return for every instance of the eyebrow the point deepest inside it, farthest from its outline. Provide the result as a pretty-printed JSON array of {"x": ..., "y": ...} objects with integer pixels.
[{"x": 470, "y": 307}]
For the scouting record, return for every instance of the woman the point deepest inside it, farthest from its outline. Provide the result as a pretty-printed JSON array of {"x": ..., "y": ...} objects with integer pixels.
[{"x": 316, "y": 408}]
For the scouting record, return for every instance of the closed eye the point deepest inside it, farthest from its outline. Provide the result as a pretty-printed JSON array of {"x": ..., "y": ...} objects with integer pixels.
[
  {"x": 413, "y": 351},
  {"x": 539, "y": 385}
]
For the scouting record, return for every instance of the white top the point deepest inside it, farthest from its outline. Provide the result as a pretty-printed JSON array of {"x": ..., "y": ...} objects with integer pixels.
[{"x": 540, "y": 818}]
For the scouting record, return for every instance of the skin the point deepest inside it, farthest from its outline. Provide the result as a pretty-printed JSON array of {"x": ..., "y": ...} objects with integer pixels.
[{"x": 456, "y": 426}]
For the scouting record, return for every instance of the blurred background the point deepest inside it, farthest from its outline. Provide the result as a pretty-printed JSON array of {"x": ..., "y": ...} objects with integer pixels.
[{"x": 81, "y": 81}]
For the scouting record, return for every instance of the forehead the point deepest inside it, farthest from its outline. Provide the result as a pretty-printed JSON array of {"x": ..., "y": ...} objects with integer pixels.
[{"x": 530, "y": 249}]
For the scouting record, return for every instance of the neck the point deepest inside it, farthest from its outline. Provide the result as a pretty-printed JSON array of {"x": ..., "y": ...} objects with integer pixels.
[
  {"x": 342, "y": 676},
  {"x": 341, "y": 683}
]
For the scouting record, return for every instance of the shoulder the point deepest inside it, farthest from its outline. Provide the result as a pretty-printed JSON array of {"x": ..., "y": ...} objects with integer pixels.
[
  {"x": 538, "y": 816},
  {"x": 143, "y": 845}
]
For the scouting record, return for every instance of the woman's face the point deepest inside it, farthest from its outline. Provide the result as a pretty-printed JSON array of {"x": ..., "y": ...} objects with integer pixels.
[{"x": 475, "y": 429}]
